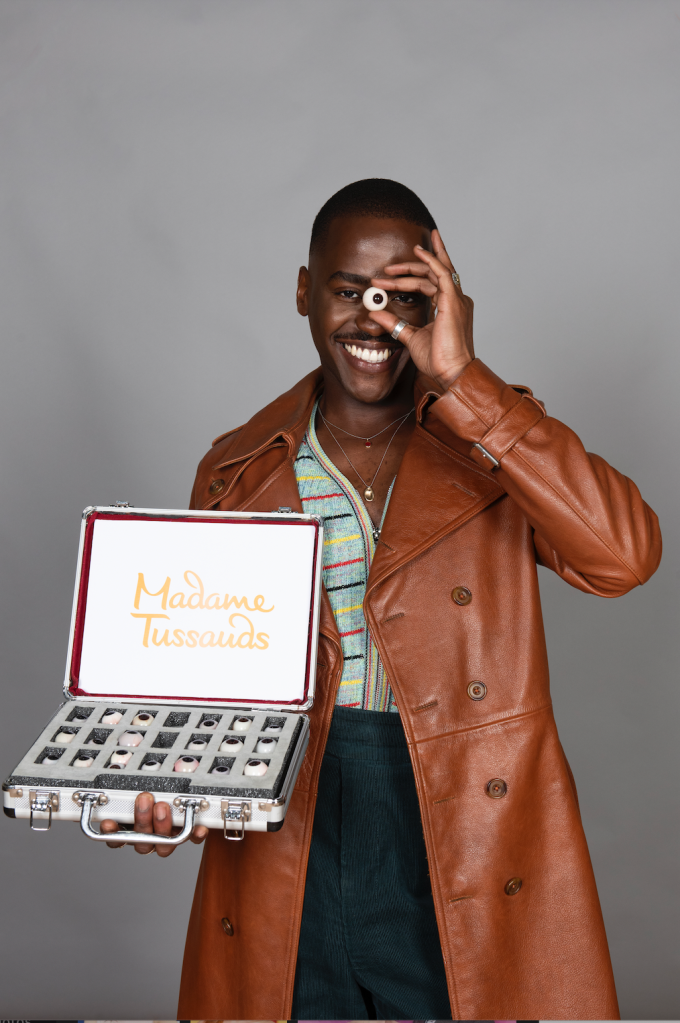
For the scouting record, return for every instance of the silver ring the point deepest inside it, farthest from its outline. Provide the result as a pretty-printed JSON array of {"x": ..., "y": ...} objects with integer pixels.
[
  {"x": 456, "y": 279},
  {"x": 398, "y": 329}
]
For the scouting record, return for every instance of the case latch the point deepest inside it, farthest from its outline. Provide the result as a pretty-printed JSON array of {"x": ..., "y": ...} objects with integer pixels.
[
  {"x": 235, "y": 813},
  {"x": 42, "y": 802}
]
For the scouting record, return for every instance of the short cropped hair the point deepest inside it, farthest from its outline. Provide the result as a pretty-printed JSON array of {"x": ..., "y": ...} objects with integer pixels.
[{"x": 371, "y": 197}]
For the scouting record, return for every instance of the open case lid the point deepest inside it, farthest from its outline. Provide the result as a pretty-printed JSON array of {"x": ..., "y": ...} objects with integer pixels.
[{"x": 196, "y": 607}]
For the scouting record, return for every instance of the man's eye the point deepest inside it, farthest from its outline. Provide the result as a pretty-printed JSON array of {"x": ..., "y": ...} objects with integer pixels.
[
  {"x": 349, "y": 293},
  {"x": 404, "y": 297}
]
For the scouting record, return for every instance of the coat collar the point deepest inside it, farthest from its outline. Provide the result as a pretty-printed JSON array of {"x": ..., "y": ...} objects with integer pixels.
[{"x": 286, "y": 417}]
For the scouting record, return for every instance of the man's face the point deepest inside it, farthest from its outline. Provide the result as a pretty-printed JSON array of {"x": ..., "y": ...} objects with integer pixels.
[{"x": 330, "y": 294}]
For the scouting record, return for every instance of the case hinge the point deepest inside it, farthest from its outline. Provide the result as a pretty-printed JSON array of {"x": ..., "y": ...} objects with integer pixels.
[
  {"x": 235, "y": 813},
  {"x": 42, "y": 802}
]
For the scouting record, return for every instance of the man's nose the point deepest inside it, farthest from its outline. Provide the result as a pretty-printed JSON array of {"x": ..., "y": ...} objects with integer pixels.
[{"x": 365, "y": 323}]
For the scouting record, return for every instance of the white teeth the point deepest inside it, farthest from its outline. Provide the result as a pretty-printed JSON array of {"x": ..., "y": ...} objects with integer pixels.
[{"x": 369, "y": 354}]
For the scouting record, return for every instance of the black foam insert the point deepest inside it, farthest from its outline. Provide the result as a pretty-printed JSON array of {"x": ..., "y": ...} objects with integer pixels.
[
  {"x": 141, "y": 782},
  {"x": 165, "y": 740},
  {"x": 99, "y": 735},
  {"x": 176, "y": 719},
  {"x": 222, "y": 762},
  {"x": 274, "y": 723},
  {"x": 80, "y": 714}
]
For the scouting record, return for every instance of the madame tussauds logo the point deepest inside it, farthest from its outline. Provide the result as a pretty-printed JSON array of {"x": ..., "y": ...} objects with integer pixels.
[{"x": 242, "y": 636}]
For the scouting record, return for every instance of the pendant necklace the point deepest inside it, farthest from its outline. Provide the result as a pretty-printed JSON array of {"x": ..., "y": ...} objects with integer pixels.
[
  {"x": 366, "y": 440},
  {"x": 369, "y": 493}
]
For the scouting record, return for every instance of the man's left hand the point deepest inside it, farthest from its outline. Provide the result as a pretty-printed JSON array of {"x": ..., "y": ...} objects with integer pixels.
[{"x": 443, "y": 348}]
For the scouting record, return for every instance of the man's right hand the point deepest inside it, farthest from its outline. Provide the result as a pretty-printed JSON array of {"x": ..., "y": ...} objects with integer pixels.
[{"x": 153, "y": 819}]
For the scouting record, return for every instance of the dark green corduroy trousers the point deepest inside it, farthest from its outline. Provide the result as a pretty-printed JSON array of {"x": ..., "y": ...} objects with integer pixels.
[{"x": 369, "y": 945}]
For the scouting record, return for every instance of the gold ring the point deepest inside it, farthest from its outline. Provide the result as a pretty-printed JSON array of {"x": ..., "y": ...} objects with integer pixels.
[{"x": 456, "y": 279}]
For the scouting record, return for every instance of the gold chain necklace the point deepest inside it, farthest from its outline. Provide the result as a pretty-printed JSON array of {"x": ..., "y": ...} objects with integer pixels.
[
  {"x": 366, "y": 440},
  {"x": 369, "y": 493}
]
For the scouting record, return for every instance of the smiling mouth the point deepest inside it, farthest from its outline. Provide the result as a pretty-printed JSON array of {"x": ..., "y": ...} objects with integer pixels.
[{"x": 368, "y": 354}]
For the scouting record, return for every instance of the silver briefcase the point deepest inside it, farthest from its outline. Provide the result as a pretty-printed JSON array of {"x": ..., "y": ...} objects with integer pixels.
[{"x": 192, "y": 657}]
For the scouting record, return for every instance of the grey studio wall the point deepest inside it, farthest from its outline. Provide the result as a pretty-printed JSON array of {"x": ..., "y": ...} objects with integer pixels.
[{"x": 162, "y": 161}]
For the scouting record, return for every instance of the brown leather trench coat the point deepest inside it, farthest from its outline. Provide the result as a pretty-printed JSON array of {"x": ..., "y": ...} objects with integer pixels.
[{"x": 452, "y": 522}]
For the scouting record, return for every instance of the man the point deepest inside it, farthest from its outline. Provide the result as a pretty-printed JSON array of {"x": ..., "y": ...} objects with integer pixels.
[{"x": 432, "y": 863}]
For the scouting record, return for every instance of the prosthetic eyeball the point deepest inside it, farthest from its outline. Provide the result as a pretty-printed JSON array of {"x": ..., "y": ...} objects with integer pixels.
[
  {"x": 120, "y": 757},
  {"x": 151, "y": 765},
  {"x": 240, "y": 724},
  {"x": 208, "y": 724},
  {"x": 96, "y": 740},
  {"x": 220, "y": 769},
  {"x": 83, "y": 761},
  {"x": 255, "y": 768},
  {"x": 185, "y": 765},
  {"x": 112, "y": 718},
  {"x": 130, "y": 739},
  {"x": 143, "y": 718},
  {"x": 375, "y": 298},
  {"x": 65, "y": 737},
  {"x": 231, "y": 745},
  {"x": 51, "y": 758},
  {"x": 265, "y": 745},
  {"x": 198, "y": 744},
  {"x": 273, "y": 729}
]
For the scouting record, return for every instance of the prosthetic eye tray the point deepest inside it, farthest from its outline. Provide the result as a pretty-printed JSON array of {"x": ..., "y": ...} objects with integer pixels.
[{"x": 189, "y": 629}]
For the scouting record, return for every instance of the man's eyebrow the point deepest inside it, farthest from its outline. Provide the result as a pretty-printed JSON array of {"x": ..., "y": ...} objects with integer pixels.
[{"x": 342, "y": 275}]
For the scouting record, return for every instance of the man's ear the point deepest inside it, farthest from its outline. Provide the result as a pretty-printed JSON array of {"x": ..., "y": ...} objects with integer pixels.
[{"x": 302, "y": 295}]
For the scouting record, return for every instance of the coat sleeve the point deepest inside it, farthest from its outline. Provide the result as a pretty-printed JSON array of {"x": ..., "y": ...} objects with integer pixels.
[{"x": 590, "y": 523}]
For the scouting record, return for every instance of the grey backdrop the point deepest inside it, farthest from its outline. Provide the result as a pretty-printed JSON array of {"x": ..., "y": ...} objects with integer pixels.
[{"x": 162, "y": 161}]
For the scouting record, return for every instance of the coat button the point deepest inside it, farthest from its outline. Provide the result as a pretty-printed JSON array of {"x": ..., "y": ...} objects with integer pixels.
[
  {"x": 476, "y": 690},
  {"x": 513, "y": 886},
  {"x": 496, "y": 789},
  {"x": 216, "y": 486},
  {"x": 461, "y": 595},
  {"x": 229, "y": 927}
]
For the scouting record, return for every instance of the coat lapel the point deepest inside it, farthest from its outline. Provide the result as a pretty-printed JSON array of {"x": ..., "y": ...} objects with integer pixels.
[
  {"x": 437, "y": 489},
  {"x": 286, "y": 417}
]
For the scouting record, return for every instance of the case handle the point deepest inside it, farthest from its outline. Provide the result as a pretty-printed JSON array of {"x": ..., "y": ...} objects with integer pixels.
[{"x": 91, "y": 799}]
